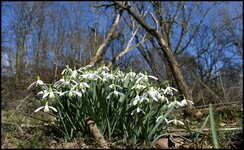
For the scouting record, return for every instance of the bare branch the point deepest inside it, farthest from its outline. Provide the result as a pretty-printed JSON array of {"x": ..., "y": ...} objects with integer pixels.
[
  {"x": 155, "y": 21},
  {"x": 195, "y": 31},
  {"x": 103, "y": 5},
  {"x": 128, "y": 46}
]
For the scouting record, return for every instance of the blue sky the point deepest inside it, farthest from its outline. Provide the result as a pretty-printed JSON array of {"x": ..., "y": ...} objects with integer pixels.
[{"x": 88, "y": 17}]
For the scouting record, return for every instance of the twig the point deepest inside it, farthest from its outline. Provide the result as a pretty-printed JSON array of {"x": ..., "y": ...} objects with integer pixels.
[
  {"x": 219, "y": 104},
  {"x": 19, "y": 105},
  {"x": 207, "y": 129},
  {"x": 103, "y": 5}
]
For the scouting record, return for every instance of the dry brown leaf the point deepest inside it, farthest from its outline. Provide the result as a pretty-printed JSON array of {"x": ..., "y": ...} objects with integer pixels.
[
  {"x": 161, "y": 143},
  {"x": 198, "y": 114},
  {"x": 222, "y": 124}
]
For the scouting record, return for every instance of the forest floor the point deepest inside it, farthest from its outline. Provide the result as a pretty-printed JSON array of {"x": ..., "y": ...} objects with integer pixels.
[{"x": 20, "y": 127}]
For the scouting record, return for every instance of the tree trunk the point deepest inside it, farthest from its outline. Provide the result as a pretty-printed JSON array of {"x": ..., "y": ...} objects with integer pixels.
[{"x": 102, "y": 48}]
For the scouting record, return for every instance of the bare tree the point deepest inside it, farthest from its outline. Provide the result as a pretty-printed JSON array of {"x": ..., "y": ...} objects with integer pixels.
[
  {"x": 24, "y": 13},
  {"x": 163, "y": 45}
]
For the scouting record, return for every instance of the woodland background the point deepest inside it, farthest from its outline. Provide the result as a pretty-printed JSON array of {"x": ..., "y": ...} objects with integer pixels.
[{"x": 196, "y": 46}]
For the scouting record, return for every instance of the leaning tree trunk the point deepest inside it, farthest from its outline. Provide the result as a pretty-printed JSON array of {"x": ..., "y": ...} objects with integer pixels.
[{"x": 102, "y": 48}]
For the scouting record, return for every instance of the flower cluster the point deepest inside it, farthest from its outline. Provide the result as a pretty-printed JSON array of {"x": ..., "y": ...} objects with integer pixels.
[{"x": 96, "y": 92}]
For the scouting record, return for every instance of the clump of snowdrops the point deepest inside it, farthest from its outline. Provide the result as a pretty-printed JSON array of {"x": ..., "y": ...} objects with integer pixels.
[{"x": 130, "y": 106}]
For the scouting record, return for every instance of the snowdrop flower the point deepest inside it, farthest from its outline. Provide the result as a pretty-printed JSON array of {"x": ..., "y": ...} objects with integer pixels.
[
  {"x": 139, "y": 99},
  {"x": 74, "y": 74},
  {"x": 91, "y": 76},
  {"x": 138, "y": 87},
  {"x": 104, "y": 76},
  {"x": 120, "y": 74},
  {"x": 62, "y": 82},
  {"x": 72, "y": 92},
  {"x": 50, "y": 93},
  {"x": 83, "y": 69},
  {"x": 110, "y": 76},
  {"x": 66, "y": 70},
  {"x": 131, "y": 75},
  {"x": 46, "y": 108},
  {"x": 103, "y": 68},
  {"x": 37, "y": 83},
  {"x": 169, "y": 90},
  {"x": 184, "y": 102},
  {"x": 83, "y": 86},
  {"x": 162, "y": 97},
  {"x": 153, "y": 94},
  {"x": 175, "y": 121},
  {"x": 136, "y": 100},
  {"x": 113, "y": 86},
  {"x": 144, "y": 78},
  {"x": 116, "y": 93},
  {"x": 41, "y": 93},
  {"x": 137, "y": 110},
  {"x": 175, "y": 103}
]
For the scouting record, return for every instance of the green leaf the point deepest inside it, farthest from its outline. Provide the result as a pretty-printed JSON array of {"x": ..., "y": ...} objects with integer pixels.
[
  {"x": 121, "y": 99},
  {"x": 109, "y": 128},
  {"x": 159, "y": 122},
  {"x": 213, "y": 130},
  {"x": 126, "y": 82},
  {"x": 200, "y": 130}
]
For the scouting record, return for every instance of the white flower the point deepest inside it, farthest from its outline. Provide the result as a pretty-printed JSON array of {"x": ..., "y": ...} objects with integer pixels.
[
  {"x": 83, "y": 86},
  {"x": 72, "y": 92},
  {"x": 84, "y": 68},
  {"x": 62, "y": 82},
  {"x": 91, "y": 76},
  {"x": 66, "y": 70},
  {"x": 103, "y": 68},
  {"x": 131, "y": 75},
  {"x": 153, "y": 94},
  {"x": 136, "y": 100},
  {"x": 138, "y": 87},
  {"x": 46, "y": 108},
  {"x": 144, "y": 77},
  {"x": 113, "y": 86},
  {"x": 74, "y": 74},
  {"x": 137, "y": 110},
  {"x": 120, "y": 74},
  {"x": 116, "y": 93},
  {"x": 37, "y": 83},
  {"x": 184, "y": 102},
  {"x": 169, "y": 90},
  {"x": 175, "y": 121},
  {"x": 175, "y": 103},
  {"x": 139, "y": 99},
  {"x": 50, "y": 93},
  {"x": 162, "y": 98}
]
